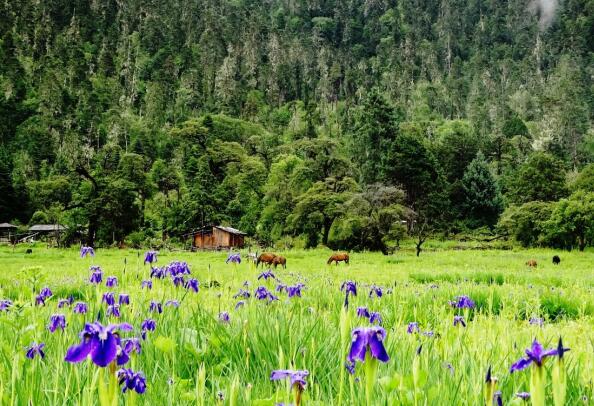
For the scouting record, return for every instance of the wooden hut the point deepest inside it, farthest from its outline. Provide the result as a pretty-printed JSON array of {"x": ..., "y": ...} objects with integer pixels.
[
  {"x": 7, "y": 228},
  {"x": 217, "y": 237},
  {"x": 45, "y": 229},
  {"x": 8, "y": 232}
]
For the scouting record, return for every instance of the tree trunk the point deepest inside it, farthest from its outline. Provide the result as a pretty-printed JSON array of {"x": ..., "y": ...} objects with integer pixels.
[
  {"x": 419, "y": 244},
  {"x": 91, "y": 232},
  {"x": 327, "y": 225}
]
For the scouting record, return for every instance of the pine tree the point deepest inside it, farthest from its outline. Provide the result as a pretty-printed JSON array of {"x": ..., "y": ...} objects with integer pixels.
[{"x": 483, "y": 202}]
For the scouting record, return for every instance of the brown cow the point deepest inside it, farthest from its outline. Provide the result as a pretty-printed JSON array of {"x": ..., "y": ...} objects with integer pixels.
[
  {"x": 532, "y": 263},
  {"x": 278, "y": 260},
  {"x": 266, "y": 258},
  {"x": 338, "y": 257}
]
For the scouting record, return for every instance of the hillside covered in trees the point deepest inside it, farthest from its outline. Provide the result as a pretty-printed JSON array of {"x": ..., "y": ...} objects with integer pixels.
[{"x": 308, "y": 121}]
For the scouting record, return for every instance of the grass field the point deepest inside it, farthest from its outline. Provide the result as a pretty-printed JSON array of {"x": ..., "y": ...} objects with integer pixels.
[{"x": 194, "y": 358}]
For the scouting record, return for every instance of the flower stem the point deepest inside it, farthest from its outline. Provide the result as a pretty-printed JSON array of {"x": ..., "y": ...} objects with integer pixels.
[
  {"x": 537, "y": 386},
  {"x": 370, "y": 375}
]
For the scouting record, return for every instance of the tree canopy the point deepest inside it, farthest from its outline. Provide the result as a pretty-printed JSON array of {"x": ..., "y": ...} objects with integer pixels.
[{"x": 319, "y": 122}]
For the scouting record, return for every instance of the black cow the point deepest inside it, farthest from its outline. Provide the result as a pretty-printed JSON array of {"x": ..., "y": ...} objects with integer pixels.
[{"x": 556, "y": 260}]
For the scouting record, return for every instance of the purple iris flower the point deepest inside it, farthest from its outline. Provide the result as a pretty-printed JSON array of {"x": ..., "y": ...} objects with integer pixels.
[
  {"x": 80, "y": 308},
  {"x": 111, "y": 282},
  {"x": 46, "y": 293},
  {"x": 537, "y": 354},
  {"x": 57, "y": 321},
  {"x": 242, "y": 293},
  {"x": 132, "y": 345},
  {"x": 155, "y": 307},
  {"x": 108, "y": 298},
  {"x": 413, "y": 327},
  {"x": 280, "y": 287},
  {"x": 193, "y": 284},
  {"x": 234, "y": 258},
  {"x": 124, "y": 298},
  {"x": 428, "y": 333},
  {"x": 146, "y": 284},
  {"x": 96, "y": 277},
  {"x": 131, "y": 380},
  {"x": 224, "y": 317},
  {"x": 84, "y": 251},
  {"x": 462, "y": 302},
  {"x": 350, "y": 367},
  {"x": 349, "y": 287},
  {"x": 294, "y": 291},
  {"x": 239, "y": 304},
  {"x": 101, "y": 343},
  {"x": 375, "y": 290},
  {"x": 158, "y": 273},
  {"x": 5, "y": 304},
  {"x": 148, "y": 325},
  {"x": 297, "y": 377},
  {"x": 262, "y": 293},
  {"x": 459, "y": 320},
  {"x": 173, "y": 303},
  {"x": 150, "y": 257},
  {"x": 178, "y": 268},
  {"x": 363, "y": 312},
  {"x": 523, "y": 395},
  {"x": 178, "y": 280},
  {"x": 63, "y": 302},
  {"x": 536, "y": 321},
  {"x": 35, "y": 349},
  {"x": 39, "y": 300},
  {"x": 368, "y": 338},
  {"x": 113, "y": 310},
  {"x": 375, "y": 317},
  {"x": 267, "y": 275}
]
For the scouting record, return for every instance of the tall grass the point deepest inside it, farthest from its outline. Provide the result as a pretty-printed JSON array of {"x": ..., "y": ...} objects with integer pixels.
[{"x": 303, "y": 333}]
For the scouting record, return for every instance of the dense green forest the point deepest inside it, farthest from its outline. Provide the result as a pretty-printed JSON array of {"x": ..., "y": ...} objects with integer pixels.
[{"x": 347, "y": 123}]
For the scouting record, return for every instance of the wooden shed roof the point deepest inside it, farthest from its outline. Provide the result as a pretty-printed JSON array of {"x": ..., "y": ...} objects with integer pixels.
[
  {"x": 47, "y": 227},
  {"x": 7, "y": 225},
  {"x": 230, "y": 230}
]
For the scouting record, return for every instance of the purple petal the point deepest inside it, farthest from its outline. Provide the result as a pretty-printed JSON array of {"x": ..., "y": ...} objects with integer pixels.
[
  {"x": 359, "y": 345},
  {"x": 78, "y": 353},
  {"x": 279, "y": 374},
  {"x": 520, "y": 365},
  {"x": 104, "y": 351},
  {"x": 377, "y": 346}
]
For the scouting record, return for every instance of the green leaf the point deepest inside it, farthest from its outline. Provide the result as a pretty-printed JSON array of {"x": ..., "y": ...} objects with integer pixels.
[
  {"x": 263, "y": 402},
  {"x": 165, "y": 344}
]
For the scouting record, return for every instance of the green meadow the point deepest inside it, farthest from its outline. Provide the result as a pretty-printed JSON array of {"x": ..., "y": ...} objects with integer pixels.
[{"x": 194, "y": 358}]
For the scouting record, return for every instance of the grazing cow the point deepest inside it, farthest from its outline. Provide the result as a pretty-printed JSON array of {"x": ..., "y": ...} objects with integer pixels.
[
  {"x": 29, "y": 251},
  {"x": 265, "y": 258},
  {"x": 338, "y": 257},
  {"x": 278, "y": 260},
  {"x": 532, "y": 263},
  {"x": 556, "y": 260}
]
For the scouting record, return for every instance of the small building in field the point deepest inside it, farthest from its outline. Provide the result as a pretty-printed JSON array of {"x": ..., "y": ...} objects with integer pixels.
[
  {"x": 45, "y": 229},
  {"x": 217, "y": 237},
  {"x": 7, "y": 228}
]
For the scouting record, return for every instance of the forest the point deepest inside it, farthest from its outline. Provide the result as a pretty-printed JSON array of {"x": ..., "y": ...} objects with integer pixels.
[{"x": 352, "y": 124}]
